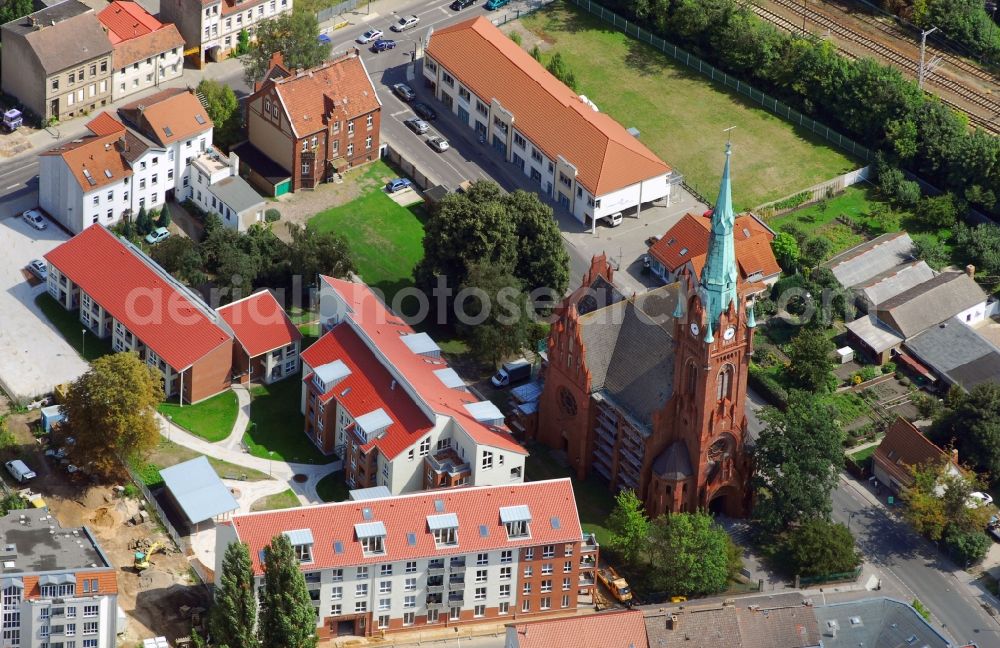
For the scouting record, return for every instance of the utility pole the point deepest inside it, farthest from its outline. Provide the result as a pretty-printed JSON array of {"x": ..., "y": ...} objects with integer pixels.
[
  {"x": 921, "y": 73},
  {"x": 804, "y": 32}
]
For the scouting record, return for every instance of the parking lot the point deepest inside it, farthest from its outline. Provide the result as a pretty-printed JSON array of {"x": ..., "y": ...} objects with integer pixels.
[{"x": 34, "y": 357}]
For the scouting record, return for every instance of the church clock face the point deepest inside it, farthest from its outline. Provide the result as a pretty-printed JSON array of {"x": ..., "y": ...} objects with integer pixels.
[
  {"x": 567, "y": 403},
  {"x": 729, "y": 334},
  {"x": 694, "y": 328}
]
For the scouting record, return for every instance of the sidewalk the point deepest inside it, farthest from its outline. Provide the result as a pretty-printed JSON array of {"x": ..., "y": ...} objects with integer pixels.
[{"x": 235, "y": 438}]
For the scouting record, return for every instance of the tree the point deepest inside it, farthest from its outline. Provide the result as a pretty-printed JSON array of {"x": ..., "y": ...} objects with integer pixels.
[
  {"x": 164, "y": 219},
  {"x": 811, "y": 356},
  {"x": 629, "y": 527},
  {"x": 939, "y": 212},
  {"x": 295, "y": 35},
  {"x": 924, "y": 509},
  {"x": 287, "y": 618},
  {"x": 560, "y": 70},
  {"x": 815, "y": 251},
  {"x": 973, "y": 427},
  {"x": 143, "y": 223},
  {"x": 542, "y": 258},
  {"x": 233, "y": 617},
  {"x": 242, "y": 42},
  {"x": 223, "y": 108},
  {"x": 499, "y": 310},
  {"x": 786, "y": 251},
  {"x": 979, "y": 245},
  {"x": 110, "y": 410},
  {"x": 798, "y": 455},
  {"x": 690, "y": 555},
  {"x": 14, "y": 9},
  {"x": 179, "y": 256},
  {"x": 819, "y": 547},
  {"x": 312, "y": 252},
  {"x": 966, "y": 547}
]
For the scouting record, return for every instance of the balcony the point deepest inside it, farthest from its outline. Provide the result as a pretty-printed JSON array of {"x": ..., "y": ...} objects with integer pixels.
[
  {"x": 447, "y": 461},
  {"x": 456, "y": 597},
  {"x": 435, "y": 589},
  {"x": 589, "y": 543},
  {"x": 456, "y": 580},
  {"x": 457, "y": 563},
  {"x": 586, "y": 579},
  {"x": 435, "y": 567},
  {"x": 434, "y": 605}
]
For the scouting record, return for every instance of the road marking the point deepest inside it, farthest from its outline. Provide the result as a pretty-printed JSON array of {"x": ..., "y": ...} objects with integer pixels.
[{"x": 14, "y": 186}]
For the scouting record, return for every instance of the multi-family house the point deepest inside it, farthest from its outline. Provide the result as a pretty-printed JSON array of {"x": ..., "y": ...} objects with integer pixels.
[
  {"x": 431, "y": 560},
  {"x": 268, "y": 343},
  {"x": 314, "y": 123},
  {"x": 211, "y": 28},
  {"x": 58, "y": 586},
  {"x": 216, "y": 187},
  {"x": 146, "y": 51},
  {"x": 380, "y": 394},
  {"x": 57, "y": 61},
  {"x": 124, "y": 295},
  {"x": 579, "y": 157}
]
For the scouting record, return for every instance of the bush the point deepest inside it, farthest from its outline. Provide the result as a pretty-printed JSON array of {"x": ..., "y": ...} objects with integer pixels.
[
  {"x": 766, "y": 385},
  {"x": 516, "y": 37},
  {"x": 792, "y": 201},
  {"x": 966, "y": 548},
  {"x": 921, "y": 609},
  {"x": 938, "y": 212},
  {"x": 272, "y": 215},
  {"x": 889, "y": 368},
  {"x": 130, "y": 491}
]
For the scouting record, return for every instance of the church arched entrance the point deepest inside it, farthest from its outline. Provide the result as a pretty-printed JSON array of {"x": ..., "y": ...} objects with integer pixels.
[{"x": 724, "y": 502}]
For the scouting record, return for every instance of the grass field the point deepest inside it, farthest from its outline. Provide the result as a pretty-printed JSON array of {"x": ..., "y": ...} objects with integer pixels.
[
  {"x": 283, "y": 500},
  {"x": 211, "y": 419},
  {"x": 168, "y": 453},
  {"x": 681, "y": 115},
  {"x": 68, "y": 323},
  {"x": 332, "y": 488},
  {"x": 277, "y": 426},
  {"x": 593, "y": 499}
]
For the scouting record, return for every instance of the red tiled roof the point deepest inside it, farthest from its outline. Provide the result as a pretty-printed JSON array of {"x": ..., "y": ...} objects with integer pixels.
[
  {"x": 94, "y": 161},
  {"x": 384, "y": 331},
  {"x": 136, "y": 292},
  {"x": 619, "y": 629},
  {"x": 310, "y": 96},
  {"x": 105, "y": 124},
  {"x": 690, "y": 235},
  {"x": 903, "y": 447},
  {"x": 174, "y": 109},
  {"x": 368, "y": 388},
  {"x": 126, "y": 20},
  {"x": 474, "y": 506},
  {"x": 162, "y": 40},
  {"x": 547, "y": 112},
  {"x": 260, "y": 323}
]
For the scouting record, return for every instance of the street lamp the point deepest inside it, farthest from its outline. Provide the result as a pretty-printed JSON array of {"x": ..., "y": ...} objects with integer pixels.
[
  {"x": 83, "y": 343},
  {"x": 849, "y": 518},
  {"x": 270, "y": 459},
  {"x": 170, "y": 425}
]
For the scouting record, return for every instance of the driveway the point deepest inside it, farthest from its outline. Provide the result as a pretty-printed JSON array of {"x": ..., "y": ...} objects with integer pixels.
[{"x": 34, "y": 357}]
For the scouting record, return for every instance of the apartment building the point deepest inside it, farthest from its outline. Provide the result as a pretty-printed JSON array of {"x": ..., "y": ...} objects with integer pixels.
[
  {"x": 579, "y": 157},
  {"x": 216, "y": 187},
  {"x": 211, "y": 28},
  {"x": 124, "y": 295},
  {"x": 146, "y": 52},
  {"x": 314, "y": 123},
  {"x": 267, "y": 348},
  {"x": 57, "y": 61},
  {"x": 58, "y": 586},
  {"x": 433, "y": 559},
  {"x": 379, "y": 394}
]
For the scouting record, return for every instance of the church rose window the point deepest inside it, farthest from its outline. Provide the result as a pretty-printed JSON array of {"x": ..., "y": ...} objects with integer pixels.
[{"x": 567, "y": 402}]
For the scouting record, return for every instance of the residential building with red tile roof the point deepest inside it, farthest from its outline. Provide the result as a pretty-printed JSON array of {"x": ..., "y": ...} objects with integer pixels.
[
  {"x": 267, "y": 342},
  {"x": 380, "y": 395},
  {"x": 314, "y": 123},
  {"x": 685, "y": 245},
  {"x": 124, "y": 296},
  {"x": 617, "y": 629},
  {"x": 580, "y": 157},
  {"x": 211, "y": 28},
  {"x": 903, "y": 448},
  {"x": 146, "y": 51},
  {"x": 432, "y": 559}
]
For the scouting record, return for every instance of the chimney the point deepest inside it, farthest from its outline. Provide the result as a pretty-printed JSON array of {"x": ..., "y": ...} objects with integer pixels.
[
  {"x": 673, "y": 622},
  {"x": 971, "y": 271},
  {"x": 234, "y": 164},
  {"x": 954, "y": 456},
  {"x": 123, "y": 144}
]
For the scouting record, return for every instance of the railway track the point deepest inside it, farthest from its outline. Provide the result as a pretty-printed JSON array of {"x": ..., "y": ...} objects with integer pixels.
[{"x": 991, "y": 108}]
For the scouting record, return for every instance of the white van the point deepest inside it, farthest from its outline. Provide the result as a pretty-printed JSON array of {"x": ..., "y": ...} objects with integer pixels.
[
  {"x": 612, "y": 220},
  {"x": 19, "y": 470}
]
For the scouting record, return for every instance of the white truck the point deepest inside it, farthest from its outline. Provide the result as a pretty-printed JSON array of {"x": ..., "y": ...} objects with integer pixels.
[
  {"x": 19, "y": 470},
  {"x": 512, "y": 372}
]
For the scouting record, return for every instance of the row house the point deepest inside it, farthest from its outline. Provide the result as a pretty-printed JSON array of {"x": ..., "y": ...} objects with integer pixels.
[
  {"x": 124, "y": 296},
  {"x": 314, "y": 123},
  {"x": 267, "y": 341},
  {"x": 58, "y": 586},
  {"x": 211, "y": 28},
  {"x": 57, "y": 61},
  {"x": 380, "y": 395},
  {"x": 146, "y": 52},
  {"x": 579, "y": 157},
  {"x": 431, "y": 560}
]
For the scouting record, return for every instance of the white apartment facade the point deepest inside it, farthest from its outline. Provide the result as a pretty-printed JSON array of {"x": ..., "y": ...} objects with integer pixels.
[
  {"x": 211, "y": 29},
  {"x": 147, "y": 73}
]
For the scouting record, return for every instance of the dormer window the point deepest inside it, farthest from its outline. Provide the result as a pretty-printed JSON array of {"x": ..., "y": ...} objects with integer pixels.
[
  {"x": 371, "y": 535},
  {"x": 444, "y": 527},
  {"x": 302, "y": 543},
  {"x": 517, "y": 521}
]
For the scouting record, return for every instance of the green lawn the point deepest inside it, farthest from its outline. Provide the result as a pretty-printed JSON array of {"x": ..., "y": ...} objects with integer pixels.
[
  {"x": 283, "y": 500},
  {"x": 68, "y": 323},
  {"x": 168, "y": 453},
  {"x": 386, "y": 240},
  {"x": 593, "y": 499},
  {"x": 681, "y": 115},
  {"x": 277, "y": 426},
  {"x": 332, "y": 488},
  {"x": 211, "y": 419},
  {"x": 862, "y": 455}
]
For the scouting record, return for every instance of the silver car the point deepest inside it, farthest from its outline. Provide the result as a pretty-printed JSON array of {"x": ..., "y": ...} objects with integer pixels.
[
  {"x": 439, "y": 144},
  {"x": 39, "y": 268},
  {"x": 417, "y": 125},
  {"x": 34, "y": 218}
]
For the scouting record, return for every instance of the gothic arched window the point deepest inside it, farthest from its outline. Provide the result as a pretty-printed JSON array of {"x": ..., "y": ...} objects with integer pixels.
[
  {"x": 724, "y": 383},
  {"x": 692, "y": 378}
]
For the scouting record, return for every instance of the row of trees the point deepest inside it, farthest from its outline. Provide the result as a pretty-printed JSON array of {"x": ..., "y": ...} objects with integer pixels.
[
  {"x": 862, "y": 98},
  {"x": 965, "y": 22}
]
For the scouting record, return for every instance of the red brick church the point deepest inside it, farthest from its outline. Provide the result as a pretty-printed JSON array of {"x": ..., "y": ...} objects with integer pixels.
[{"x": 649, "y": 390}]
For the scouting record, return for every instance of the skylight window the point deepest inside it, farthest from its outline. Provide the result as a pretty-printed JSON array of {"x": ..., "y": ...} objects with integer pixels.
[
  {"x": 683, "y": 251},
  {"x": 199, "y": 118},
  {"x": 167, "y": 131}
]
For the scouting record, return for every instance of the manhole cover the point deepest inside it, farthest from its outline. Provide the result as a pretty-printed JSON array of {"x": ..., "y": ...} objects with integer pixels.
[{"x": 300, "y": 479}]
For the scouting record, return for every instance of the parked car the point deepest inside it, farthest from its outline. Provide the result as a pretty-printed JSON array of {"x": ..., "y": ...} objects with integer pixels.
[
  {"x": 404, "y": 23},
  {"x": 417, "y": 125},
  {"x": 458, "y": 5},
  {"x": 383, "y": 44},
  {"x": 19, "y": 470},
  {"x": 35, "y": 219},
  {"x": 370, "y": 35},
  {"x": 439, "y": 144},
  {"x": 404, "y": 92},
  {"x": 493, "y": 5},
  {"x": 612, "y": 220},
  {"x": 398, "y": 185},
  {"x": 157, "y": 235},
  {"x": 323, "y": 38},
  {"x": 56, "y": 453},
  {"x": 425, "y": 111},
  {"x": 39, "y": 268}
]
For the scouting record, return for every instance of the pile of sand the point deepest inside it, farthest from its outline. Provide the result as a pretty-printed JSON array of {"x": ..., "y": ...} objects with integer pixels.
[{"x": 104, "y": 518}]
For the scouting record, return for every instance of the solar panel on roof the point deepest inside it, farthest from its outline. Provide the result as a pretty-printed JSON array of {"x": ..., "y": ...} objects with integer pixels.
[{"x": 411, "y": 539}]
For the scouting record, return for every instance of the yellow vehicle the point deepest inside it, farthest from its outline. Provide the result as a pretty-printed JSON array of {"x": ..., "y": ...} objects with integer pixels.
[
  {"x": 617, "y": 585},
  {"x": 142, "y": 557},
  {"x": 678, "y": 599}
]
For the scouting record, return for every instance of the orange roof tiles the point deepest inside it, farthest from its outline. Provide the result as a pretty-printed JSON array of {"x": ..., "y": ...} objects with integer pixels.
[
  {"x": 94, "y": 160},
  {"x": 619, "y": 629},
  {"x": 105, "y": 124},
  {"x": 310, "y": 96},
  {"x": 126, "y": 20},
  {"x": 475, "y": 507},
  {"x": 688, "y": 241},
  {"x": 148, "y": 45},
  {"x": 168, "y": 116},
  {"x": 140, "y": 295},
  {"x": 545, "y": 110},
  {"x": 384, "y": 331},
  {"x": 903, "y": 447},
  {"x": 260, "y": 323}
]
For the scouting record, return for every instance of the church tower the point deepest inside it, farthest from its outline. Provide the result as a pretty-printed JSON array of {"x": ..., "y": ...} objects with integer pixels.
[{"x": 701, "y": 459}]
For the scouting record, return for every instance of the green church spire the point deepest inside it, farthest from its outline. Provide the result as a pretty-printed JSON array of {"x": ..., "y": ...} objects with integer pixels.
[{"x": 719, "y": 276}]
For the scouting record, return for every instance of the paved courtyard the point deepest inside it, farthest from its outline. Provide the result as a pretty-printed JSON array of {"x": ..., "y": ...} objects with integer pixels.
[{"x": 34, "y": 357}]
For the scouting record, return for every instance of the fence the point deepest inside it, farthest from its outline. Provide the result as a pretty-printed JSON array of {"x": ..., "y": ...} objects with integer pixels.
[
  {"x": 812, "y": 194},
  {"x": 408, "y": 168},
  {"x": 828, "y": 578},
  {"x": 324, "y": 15},
  {"x": 151, "y": 500}
]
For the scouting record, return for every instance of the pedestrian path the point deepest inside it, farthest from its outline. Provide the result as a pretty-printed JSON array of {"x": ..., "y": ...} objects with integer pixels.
[{"x": 235, "y": 439}]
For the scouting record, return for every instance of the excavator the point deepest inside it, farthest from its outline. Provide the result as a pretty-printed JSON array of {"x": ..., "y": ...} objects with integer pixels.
[{"x": 141, "y": 563}]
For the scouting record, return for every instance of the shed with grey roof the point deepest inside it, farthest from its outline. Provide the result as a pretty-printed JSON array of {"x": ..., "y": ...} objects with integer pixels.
[
  {"x": 198, "y": 491},
  {"x": 887, "y": 285},
  {"x": 957, "y": 354},
  {"x": 871, "y": 258},
  {"x": 929, "y": 303},
  {"x": 240, "y": 203}
]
